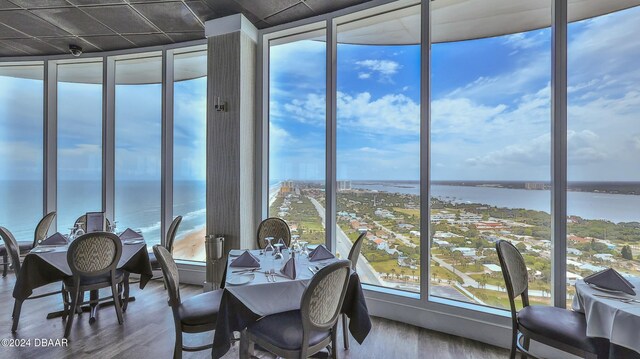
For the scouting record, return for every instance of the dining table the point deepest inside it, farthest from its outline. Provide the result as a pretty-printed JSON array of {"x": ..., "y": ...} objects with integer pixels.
[
  {"x": 48, "y": 264},
  {"x": 252, "y": 293},
  {"x": 612, "y": 315}
]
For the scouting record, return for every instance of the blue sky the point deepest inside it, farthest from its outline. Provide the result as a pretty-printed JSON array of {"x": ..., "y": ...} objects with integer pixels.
[
  {"x": 490, "y": 107},
  {"x": 490, "y": 112}
]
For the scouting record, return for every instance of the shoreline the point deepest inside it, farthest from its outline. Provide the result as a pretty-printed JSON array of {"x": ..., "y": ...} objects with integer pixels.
[{"x": 190, "y": 246}]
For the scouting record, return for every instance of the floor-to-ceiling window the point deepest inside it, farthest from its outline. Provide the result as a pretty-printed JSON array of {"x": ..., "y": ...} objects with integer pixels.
[
  {"x": 297, "y": 131},
  {"x": 603, "y": 145},
  {"x": 138, "y": 144},
  {"x": 79, "y": 140},
  {"x": 21, "y": 125},
  {"x": 378, "y": 148},
  {"x": 490, "y": 162},
  {"x": 189, "y": 153}
]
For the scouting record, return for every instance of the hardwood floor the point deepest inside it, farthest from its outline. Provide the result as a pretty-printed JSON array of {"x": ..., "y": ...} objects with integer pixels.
[{"x": 148, "y": 332}]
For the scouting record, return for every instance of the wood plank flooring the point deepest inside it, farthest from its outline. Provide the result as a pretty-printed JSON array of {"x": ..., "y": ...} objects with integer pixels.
[{"x": 148, "y": 332}]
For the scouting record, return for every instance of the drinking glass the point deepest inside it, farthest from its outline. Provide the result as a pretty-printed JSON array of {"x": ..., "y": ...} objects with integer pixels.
[
  {"x": 269, "y": 247},
  {"x": 278, "y": 251},
  {"x": 305, "y": 250}
]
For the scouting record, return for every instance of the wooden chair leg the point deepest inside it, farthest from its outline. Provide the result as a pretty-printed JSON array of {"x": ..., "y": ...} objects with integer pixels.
[
  {"x": 334, "y": 342},
  {"x": 5, "y": 265},
  {"x": 514, "y": 338},
  {"x": 345, "y": 331},
  {"x": 65, "y": 302},
  {"x": 125, "y": 300},
  {"x": 116, "y": 302},
  {"x": 17, "y": 307},
  {"x": 177, "y": 348},
  {"x": 72, "y": 310}
]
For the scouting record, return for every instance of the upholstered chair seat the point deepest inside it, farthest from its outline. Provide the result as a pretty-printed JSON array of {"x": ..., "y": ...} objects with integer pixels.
[
  {"x": 200, "y": 309},
  {"x": 563, "y": 325},
  {"x": 284, "y": 330},
  {"x": 84, "y": 281}
]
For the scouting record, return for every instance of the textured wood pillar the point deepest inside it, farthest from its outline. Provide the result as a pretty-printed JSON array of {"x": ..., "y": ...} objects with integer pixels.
[{"x": 230, "y": 140}]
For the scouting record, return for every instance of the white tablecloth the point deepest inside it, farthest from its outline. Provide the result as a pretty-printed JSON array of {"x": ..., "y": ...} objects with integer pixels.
[
  {"x": 610, "y": 318},
  {"x": 263, "y": 297}
]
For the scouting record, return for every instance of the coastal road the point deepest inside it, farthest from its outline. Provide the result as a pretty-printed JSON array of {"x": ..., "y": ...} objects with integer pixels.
[{"x": 365, "y": 270}]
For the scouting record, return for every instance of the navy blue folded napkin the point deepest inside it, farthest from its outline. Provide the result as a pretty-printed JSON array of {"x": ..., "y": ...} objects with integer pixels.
[
  {"x": 246, "y": 260},
  {"x": 320, "y": 253},
  {"x": 130, "y": 234},
  {"x": 55, "y": 239},
  {"x": 612, "y": 280}
]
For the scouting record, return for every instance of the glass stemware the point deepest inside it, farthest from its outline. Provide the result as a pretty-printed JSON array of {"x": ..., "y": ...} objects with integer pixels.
[
  {"x": 269, "y": 247},
  {"x": 278, "y": 251},
  {"x": 305, "y": 249}
]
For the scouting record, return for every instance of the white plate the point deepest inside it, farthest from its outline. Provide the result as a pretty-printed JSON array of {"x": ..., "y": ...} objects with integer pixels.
[
  {"x": 604, "y": 289},
  {"x": 235, "y": 254},
  {"x": 240, "y": 279},
  {"x": 134, "y": 241},
  {"x": 42, "y": 250}
]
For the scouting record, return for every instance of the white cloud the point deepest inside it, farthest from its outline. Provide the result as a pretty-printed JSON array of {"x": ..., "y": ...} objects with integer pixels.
[
  {"x": 364, "y": 75},
  {"x": 384, "y": 68},
  {"x": 524, "y": 41}
]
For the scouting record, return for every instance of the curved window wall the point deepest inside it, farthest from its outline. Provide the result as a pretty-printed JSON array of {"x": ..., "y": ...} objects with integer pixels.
[
  {"x": 21, "y": 152},
  {"x": 79, "y": 141},
  {"x": 111, "y": 112},
  {"x": 189, "y": 153},
  {"x": 472, "y": 126}
]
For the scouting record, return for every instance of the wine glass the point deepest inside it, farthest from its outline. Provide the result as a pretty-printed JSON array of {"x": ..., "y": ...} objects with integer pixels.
[
  {"x": 269, "y": 247},
  {"x": 305, "y": 249},
  {"x": 278, "y": 251}
]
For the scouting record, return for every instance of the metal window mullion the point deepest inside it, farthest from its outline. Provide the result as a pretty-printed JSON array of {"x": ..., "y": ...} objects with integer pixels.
[
  {"x": 330, "y": 140},
  {"x": 50, "y": 145},
  {"x": 166, "y": 212},
  {"x": 108, "y": 137},
  {"x": 425, "y": 147},
  {"x": 262, "y": 131},
  {"x": 559, "y": 151}
]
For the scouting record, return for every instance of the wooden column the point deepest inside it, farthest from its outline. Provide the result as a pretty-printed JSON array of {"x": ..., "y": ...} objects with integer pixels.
[{"x": 231, "y": 132}]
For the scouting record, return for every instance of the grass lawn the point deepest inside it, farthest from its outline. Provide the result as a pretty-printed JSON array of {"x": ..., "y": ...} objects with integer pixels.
[{"x": 407, "y": 211}]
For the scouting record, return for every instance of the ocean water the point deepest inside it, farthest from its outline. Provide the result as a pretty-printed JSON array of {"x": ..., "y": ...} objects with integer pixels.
[
  {"x": 588, "y": 205},
  {"x": 137, "y": 205}
]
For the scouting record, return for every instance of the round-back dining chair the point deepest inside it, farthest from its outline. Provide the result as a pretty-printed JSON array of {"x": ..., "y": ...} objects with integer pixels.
[{"x": 276, "y": 228}]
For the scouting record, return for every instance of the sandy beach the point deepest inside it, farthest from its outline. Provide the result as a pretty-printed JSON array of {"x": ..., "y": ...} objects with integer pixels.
[{"x": 190, "y": 245}]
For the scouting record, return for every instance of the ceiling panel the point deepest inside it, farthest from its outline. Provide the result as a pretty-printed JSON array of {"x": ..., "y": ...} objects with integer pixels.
[
  {"x": 109, "y": 42},
  {"x": 170, "y": 16},
  {"x": 121, "y": 19},
  {"x": 95, "y": 2},
  {"x": 73, "y": 20},
  {"x": 32, "y": 46},
  {"x": 263, "y": 9},
  {"x": 30, "y": 4},
  {"x": 28, "y": 23},
  {"x": 99, "y": 25},
  {"x": 296, "y": 12},
  {"x": 9, "y": 33},
  {"x": 148, "y": 39}
]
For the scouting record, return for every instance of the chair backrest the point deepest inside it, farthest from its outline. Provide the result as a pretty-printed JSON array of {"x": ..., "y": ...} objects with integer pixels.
[
  {"x": 170, "y": 273},
  {"x": 12, "y": 248},
  {"x": 276, "y": 228},
  {"x": 514, "y": 271},
  {"x": 94, "y": 254},
  {"x": 42, "y": 229},
  {"x": 171, "y": 233},
  {"x": 83, "y": 220},
  {"x": 354, "y": 253},
  {"x": 322, "y": 300}
]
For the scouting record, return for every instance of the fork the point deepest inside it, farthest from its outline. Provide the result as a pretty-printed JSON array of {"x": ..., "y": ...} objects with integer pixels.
[
  {"x": 266, "y": 273},
  {"x": 273, "y": 274}
]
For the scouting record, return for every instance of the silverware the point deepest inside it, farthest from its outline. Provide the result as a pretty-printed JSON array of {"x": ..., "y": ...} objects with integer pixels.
[
  {"x": 245, "y": 270},
  {"x": 622, "y": 299},
  {"x": 273, "y": 274},
  {"x": 312, "y": 270},
  {"x": 266, "y": 273}
]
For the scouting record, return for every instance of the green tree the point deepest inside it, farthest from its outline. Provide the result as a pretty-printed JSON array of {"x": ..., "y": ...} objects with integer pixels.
[{"x": 626, "y": 252}]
